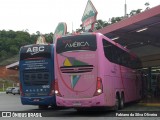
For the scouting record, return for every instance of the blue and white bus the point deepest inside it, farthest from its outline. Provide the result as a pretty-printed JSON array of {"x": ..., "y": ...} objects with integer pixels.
[{"x": 36, "y": 71}]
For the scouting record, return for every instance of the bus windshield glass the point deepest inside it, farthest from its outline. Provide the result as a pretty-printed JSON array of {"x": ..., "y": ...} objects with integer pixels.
[{"x": 76, "y": 43}]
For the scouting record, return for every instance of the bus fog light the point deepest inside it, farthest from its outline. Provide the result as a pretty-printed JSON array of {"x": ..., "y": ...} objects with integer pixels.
[{"x": 99, "y": 91}]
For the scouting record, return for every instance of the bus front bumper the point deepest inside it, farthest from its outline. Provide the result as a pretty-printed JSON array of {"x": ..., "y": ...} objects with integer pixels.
[{"x": 45, "y": 100}]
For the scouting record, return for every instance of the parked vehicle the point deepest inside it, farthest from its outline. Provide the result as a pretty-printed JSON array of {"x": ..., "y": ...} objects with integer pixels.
[
  {"x": 16, "y": 91},
  {"x": 93, "y": 71},
  {"x": 9, "y": 90},
  {"x": 36, "y": 69}
]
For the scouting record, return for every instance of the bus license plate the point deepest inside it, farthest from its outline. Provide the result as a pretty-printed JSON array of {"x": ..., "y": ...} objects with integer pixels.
[
  {"x": 77, "y": 104},
  {"x": 36, "y": 100}
]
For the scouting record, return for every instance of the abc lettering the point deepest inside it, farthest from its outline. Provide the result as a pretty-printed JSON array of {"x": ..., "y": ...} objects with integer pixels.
[{"x": 35, "y": 49}]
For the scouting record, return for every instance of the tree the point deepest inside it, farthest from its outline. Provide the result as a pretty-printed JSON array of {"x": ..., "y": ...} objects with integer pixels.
[
  {"x": 134, "y": 12},
  {"x": 14, "y": 49},
  {"x": 99, "y": 24},
  {"x": 11, "y": 41},
  {"x": 116, "y": 19},
  {"x": 81, "y": 29},
  {"x": 38, "y": 33},
  {"x": 3, "y": 54},
  {"x": 49, "y": 37},
  {"x": 138, "y": 11},
  {"x": 147, "y": 5}
]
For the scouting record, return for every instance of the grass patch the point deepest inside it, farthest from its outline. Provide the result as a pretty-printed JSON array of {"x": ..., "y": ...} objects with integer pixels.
[{"x": 4, "y": 84}]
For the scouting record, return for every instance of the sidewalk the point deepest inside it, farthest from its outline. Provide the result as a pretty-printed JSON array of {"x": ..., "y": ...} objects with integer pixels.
[
  {"x": 155, "y": 102},
  {"x": 2, "y": 92},
  {"x": 150, "y": 104}
]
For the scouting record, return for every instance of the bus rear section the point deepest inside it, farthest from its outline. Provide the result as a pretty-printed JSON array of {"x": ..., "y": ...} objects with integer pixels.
[
  {"x": 37, "y": 75},
  {"x": 76, "y": 63}
]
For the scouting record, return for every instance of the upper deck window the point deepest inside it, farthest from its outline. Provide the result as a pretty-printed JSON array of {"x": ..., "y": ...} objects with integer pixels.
[
  {"x": 119, "y": 56},
  {"x": 34, "y": 51}
]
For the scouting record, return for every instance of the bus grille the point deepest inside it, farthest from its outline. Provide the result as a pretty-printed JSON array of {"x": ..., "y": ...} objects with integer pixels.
[{"x": 76, "y": 69}]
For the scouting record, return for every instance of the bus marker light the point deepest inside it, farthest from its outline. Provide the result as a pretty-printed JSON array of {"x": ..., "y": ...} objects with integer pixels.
[
  {"x": 56, "y": 91},
  {"x": 98, "y": 87},
  {"x": 52, "y": 89},
  {"x": 99, "y": 91}
]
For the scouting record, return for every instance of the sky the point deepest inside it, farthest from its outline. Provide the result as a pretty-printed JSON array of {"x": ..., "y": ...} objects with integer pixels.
[{"x": 44, "y": 15}]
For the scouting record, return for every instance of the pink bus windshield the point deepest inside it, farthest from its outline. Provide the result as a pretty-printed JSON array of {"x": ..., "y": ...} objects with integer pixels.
[{"x": 73, "y": 43}]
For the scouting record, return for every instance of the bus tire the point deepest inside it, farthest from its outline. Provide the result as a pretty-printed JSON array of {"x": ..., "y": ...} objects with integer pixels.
[
  {"x": 121, "y": 104},
  {"x": 116, "y": 107},
  {"x": 42, "y": 106},
  {"x": 80, "y": 109}
]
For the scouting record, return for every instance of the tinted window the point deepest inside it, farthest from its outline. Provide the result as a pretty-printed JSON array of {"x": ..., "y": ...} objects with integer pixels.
[
  {"x": 36, "y": 78},
  {"x": 78, "y": 42},
  {"x": 117, "y": 55},
  {"x": 34, "y": 51}
]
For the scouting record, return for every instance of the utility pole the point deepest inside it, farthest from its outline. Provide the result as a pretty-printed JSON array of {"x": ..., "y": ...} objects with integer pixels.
[
  {"x": 125, "y": 9},
  {"x": 72, "y": 27},
  {"x": 3, "y": 86}
]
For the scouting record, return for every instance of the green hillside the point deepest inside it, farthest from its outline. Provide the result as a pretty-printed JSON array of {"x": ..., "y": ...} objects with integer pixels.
[
  {"x": 8, "y": 61},
  {"x": 11, "y": 41}
]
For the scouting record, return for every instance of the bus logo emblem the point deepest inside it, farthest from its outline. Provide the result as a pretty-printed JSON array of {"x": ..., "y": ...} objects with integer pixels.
[
  {"x": 77, "y": 44},
  {"x": 35, "y": 50},
  {"x": 74, "y": 80}
]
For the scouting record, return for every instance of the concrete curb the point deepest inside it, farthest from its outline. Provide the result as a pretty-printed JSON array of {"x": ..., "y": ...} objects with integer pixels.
[{"x": 150, "y": 104}]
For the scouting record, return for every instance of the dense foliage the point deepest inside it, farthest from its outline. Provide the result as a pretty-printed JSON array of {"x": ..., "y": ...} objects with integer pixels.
[{"x": 11, "y": 41}]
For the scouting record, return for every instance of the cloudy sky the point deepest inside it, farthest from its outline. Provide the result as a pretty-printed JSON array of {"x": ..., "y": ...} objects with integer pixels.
[{"x": 44, "y": 15}]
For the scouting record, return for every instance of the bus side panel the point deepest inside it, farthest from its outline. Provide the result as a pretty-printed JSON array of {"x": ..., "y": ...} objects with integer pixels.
[
  {"x": 128, "y": 83},
  {"x": 131, "y": 83},
  {"x": 114, "y": 83},
  {"x": 104, "y": 71},
  {"x": 110, "y": 94},
  {"x": 121, "y": 79}
]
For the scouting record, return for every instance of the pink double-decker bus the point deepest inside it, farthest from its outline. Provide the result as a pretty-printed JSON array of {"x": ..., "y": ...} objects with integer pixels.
[{"x": 93, "y": 71}]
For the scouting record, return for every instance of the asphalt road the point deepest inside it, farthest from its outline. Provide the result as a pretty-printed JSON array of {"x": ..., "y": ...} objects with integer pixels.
[{"x": 9, "y": 102}]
